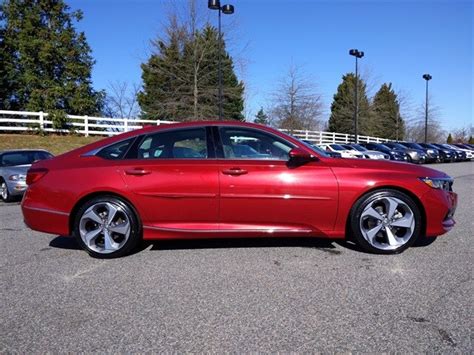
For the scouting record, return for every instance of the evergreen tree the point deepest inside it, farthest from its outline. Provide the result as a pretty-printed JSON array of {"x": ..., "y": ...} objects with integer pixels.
[
  {"x": 46, "y": 63},
  {"x": 471, "y": 140},
  {"x": 386, "y": 121},
  {"x": 449, "y": 140},
  {"x": 342, "y": 107},
  {"x": 180, "y": 80},
  {"x": 261, "y": 117}
]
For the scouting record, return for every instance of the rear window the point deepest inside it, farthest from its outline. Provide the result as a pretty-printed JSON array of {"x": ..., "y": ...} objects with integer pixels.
[
  {"x": 116, "y": 150},
  {"x": 23, "y": 158}
]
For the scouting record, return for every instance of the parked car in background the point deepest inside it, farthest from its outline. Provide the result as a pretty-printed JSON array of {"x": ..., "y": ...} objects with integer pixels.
[
  {"x": 445, "y": 155},
  {"x": 368, "y": 154},
  {"x": 13, "y": 167},
  {"x": 432, "y": 155},
  {"x": 113, "y": 193},
  {"x": 394, "y": 154},
  {"x": 464, "y": 146},
  {"x": 322, "y": 151},
  {"x": 345, "y": 153},
  {"x": 416, "y": 156},
  {"x": 459, "y": 155},
  {"x": 469, "y": 152}
]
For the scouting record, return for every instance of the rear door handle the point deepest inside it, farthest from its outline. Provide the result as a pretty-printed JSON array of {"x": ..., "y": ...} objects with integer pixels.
[
  {"x": 234, "y": 171},
  {"x": 137, "y": 172}
]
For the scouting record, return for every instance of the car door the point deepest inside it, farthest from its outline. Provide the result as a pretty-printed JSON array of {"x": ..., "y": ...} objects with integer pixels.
[
  {"x": 260, "y": 190},
  {"x": 175, "y": 179}
]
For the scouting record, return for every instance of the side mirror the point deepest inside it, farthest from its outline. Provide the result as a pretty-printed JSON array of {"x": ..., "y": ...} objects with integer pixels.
[{"x": 301, "y": 156}]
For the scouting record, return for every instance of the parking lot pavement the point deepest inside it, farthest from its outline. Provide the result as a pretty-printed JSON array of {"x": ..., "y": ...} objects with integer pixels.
[{"x": 238, "y": 295}]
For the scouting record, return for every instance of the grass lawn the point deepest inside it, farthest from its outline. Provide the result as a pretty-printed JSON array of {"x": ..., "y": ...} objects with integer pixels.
[{"x": 53, "y": 143}]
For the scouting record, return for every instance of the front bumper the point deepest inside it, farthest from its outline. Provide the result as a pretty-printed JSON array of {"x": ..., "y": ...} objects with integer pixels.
[
  {"x": 16, "y": 188},
  {"x": 440, "y": 206}
]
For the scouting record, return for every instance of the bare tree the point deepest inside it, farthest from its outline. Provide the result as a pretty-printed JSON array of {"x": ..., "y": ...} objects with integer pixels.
[
  {"x": 297, "y": 105},
  {"x": 416, "y": 127},
  {"x": 462, "y": 135},
  {"x": 121, "y": 100}
]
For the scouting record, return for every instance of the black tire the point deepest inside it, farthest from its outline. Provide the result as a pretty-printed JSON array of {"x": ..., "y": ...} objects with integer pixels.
[
  {"x": 372, "y": 198},
  {"x": 8, "y": 197},
  {"x": 135, "y": 231}
]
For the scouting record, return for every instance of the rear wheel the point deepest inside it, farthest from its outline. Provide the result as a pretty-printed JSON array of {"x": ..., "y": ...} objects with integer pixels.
[
  {"x": 107, "y": 227},
  {"x": 4, "y": 193},
  {"x": 386, "y": 221}
]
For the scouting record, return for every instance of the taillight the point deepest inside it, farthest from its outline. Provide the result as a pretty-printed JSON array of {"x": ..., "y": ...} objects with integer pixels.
[{"x": 34, "y": 174}]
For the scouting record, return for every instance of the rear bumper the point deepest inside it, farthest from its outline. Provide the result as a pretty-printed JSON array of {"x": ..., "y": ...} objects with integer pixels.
[
  {"x": 43, "y": 219},
  {"x": 440, "y": 207}
]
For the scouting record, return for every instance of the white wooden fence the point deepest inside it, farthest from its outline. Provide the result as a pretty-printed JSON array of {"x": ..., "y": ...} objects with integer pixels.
[{"x": 18, "y": 121}]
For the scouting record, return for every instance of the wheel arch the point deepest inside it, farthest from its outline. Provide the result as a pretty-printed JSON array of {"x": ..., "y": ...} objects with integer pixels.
[
  {"x": 407, "y": 192},
  {"x": 95, "y": 194}
]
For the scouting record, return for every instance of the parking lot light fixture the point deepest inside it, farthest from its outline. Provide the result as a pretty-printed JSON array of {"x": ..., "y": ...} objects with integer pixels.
[
  {"x": 427, "y": 78},
  {"x": 227, "y": 10},
  {"x": 357, "y": 54}
]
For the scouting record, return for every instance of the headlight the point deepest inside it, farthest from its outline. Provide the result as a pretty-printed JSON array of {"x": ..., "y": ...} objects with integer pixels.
[
  {"x": 17, "y": 177},
  {"x": 431, "y": 151},
  {"x": 439, "y": 183}
]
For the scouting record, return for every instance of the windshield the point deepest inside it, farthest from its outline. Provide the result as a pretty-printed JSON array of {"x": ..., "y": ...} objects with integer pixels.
[
  {"x": 337, "y": 147},
  {"x": 415, "y": 146},
  {"x": 397, "y": 146},
  {"x": 382, "y": 147},
  {"x": 359, "y": 148},
  {"x": 23, "y": 157}
]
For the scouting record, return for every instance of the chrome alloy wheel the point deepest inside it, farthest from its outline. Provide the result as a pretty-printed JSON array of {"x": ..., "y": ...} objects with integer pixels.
[
  {"x": 104, "y": 227},
  {"x": 4, "y": 191},
  {"x": 387, "y": 223}
]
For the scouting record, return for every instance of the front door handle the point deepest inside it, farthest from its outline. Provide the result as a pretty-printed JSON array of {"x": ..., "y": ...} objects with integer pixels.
[
  {"x": 234, "y": 171},
  {"x": 137, "y": 172}
]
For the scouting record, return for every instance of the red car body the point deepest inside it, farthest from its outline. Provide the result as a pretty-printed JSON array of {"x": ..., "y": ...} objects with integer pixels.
[{"x": 202, "y": 198}]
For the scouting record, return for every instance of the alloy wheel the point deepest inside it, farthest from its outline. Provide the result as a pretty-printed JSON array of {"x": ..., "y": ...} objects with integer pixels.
[
  {"x": 4, "y": 191},
  {"x": 105, "y": 227},
  {"x": 387, "y": 223}
]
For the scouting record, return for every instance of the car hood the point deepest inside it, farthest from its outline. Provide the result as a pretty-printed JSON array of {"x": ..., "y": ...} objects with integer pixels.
[{"x": 390, "y": 166}]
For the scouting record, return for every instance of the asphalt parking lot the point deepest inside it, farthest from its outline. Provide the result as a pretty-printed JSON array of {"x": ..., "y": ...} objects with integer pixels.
[{"x": 300, "y": 295}]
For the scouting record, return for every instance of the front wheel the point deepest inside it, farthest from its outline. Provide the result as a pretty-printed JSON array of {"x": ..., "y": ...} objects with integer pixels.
[
  {"x": 107, "y": 227},
  {"x": 4, "y": 193},
  {"x": 386, "y": 221}
]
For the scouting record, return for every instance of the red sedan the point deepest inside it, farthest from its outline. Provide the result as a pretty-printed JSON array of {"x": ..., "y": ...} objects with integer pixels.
[{"x": 228, "y": 179}]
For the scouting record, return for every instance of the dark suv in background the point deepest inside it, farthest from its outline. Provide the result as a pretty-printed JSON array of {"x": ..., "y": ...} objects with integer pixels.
[
  {"x": 459, "y": 155},
  {"x": 445, "y": 155},
  {"x": 417, "y": 156},
  {"x": 432, "y": 154}
]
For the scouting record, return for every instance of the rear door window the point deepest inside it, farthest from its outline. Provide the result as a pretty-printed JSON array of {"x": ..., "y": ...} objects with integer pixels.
[{"x": 175, "y": 144}]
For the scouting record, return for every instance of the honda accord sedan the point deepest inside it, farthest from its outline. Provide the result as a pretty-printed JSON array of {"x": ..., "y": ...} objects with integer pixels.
[{"x": 227, "y": 179}]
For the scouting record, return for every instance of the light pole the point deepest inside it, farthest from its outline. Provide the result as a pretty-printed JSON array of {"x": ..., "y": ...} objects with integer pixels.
[
  {"x": 427, "y": 77},
  {"x": 357, "y": 54},
  {"x": 227, "y": 10}
]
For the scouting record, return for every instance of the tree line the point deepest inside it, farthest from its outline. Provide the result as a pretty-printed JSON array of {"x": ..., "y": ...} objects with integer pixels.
[{"x": 46, "y": 64}]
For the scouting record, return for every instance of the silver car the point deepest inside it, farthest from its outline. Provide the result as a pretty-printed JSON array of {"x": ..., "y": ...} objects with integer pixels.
[{"x": 13, "y": 167}]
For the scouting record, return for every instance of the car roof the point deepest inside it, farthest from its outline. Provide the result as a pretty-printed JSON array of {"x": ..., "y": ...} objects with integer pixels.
[{"x": 23, "y": 150}]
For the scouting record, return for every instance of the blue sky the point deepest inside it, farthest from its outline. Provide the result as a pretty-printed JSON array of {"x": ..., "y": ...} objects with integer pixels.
[{"x": 402, "y": 40}]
